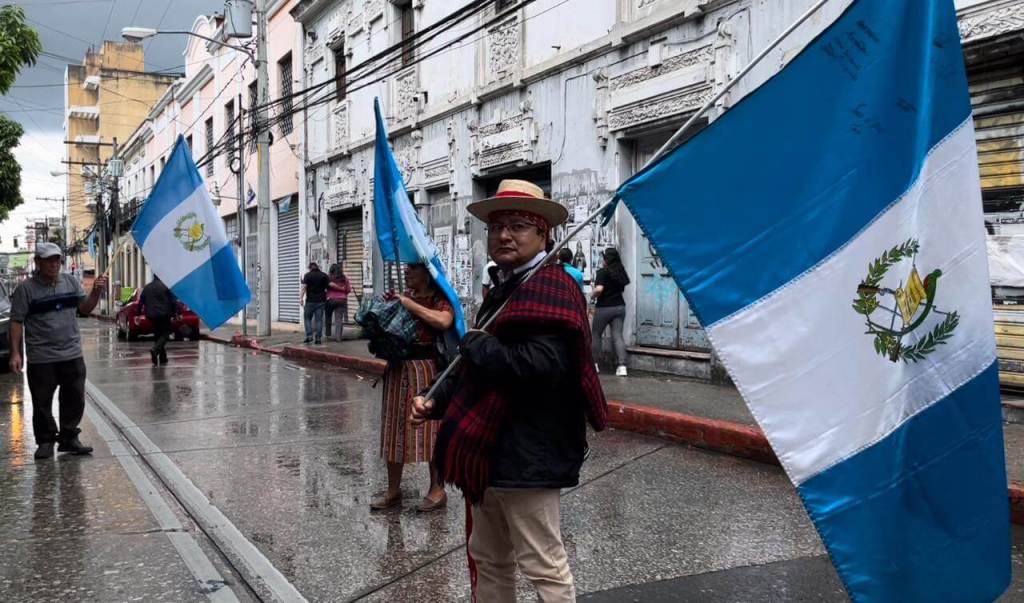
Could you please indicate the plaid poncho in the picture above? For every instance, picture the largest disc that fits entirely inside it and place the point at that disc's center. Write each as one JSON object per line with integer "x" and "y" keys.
{"x": 474, "y": 416}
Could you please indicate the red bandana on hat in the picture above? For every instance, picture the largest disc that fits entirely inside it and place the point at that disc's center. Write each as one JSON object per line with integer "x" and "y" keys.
{"x": 528, "y": 216}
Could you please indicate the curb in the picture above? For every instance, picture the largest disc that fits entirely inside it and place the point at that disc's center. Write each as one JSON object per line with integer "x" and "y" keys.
{"x": 1017, "y": 503}
{"x": 369, "y": 365}
{"x": 721, "y": 436}
{"x": 727, "y": 437}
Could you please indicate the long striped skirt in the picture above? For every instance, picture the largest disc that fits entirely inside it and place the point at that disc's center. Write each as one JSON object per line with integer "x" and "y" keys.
{"x": 400, "y": 442}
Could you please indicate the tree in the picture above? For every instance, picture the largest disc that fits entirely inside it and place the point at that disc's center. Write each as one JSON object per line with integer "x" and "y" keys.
{"x": 10, "y": 169}
{"x": 19, "y": 46}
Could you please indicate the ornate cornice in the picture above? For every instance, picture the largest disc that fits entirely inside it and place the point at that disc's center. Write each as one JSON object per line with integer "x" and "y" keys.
{"x": 993, "y": 20}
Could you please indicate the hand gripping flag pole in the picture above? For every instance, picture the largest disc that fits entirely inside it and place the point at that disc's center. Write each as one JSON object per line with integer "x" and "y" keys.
{"x": 608, "y": 206}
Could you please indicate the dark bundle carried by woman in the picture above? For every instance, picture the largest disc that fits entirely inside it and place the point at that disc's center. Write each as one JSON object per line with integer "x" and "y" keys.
{"x": 389, "y": 327}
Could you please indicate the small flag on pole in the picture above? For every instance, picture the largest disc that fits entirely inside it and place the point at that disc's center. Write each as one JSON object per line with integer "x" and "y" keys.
{"x": 182, "y": 237}
{"x": 878, "y": 389}
{"x": 400, "y": 232}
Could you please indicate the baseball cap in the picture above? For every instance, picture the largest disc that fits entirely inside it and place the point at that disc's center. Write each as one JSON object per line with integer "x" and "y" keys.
{"x": 47, "y": 250}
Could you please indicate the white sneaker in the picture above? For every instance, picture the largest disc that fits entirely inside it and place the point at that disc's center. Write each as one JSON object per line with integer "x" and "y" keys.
{"x": 621, "y": 371}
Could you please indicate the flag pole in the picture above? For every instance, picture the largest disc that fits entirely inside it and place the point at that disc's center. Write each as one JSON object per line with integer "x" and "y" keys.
{"x": 669, "y": 145}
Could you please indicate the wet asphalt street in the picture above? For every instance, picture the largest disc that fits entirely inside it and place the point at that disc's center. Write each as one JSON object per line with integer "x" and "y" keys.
{"x": 289, "y": 454}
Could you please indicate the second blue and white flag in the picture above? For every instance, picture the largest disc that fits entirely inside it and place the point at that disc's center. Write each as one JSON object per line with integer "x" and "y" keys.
{"x": 183, "y": 239}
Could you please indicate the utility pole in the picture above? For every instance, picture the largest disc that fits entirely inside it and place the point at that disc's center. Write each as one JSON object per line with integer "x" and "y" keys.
{"x": 101, "y": 227}
{"x": 63, "y": 218}
{"x": 263, "y": 171}
{"x": 243, "y": 216}
{"x": 114, "y": 169}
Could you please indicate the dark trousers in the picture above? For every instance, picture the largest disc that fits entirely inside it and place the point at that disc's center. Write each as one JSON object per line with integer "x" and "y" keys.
{"x": 337, "y": 310}
{"x": 314, "y": 317}
{"x": 162, "y": 330}
{"x": 43, "y": 379}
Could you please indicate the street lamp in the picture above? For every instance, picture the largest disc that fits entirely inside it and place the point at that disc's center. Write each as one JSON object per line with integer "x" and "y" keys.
{"x": 240, "y": 12}
{"x": 137, "y": 34}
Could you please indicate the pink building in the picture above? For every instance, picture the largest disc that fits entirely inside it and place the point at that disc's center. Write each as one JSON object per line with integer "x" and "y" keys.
{"x": 204, "y": 107}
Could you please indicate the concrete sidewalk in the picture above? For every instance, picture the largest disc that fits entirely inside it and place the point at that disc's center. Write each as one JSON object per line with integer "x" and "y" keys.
{"x": 700, "y": 414}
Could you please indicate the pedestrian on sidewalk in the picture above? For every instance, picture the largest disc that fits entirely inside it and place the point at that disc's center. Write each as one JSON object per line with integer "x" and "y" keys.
{"x": 336, "y": 309}
{"x": 565, "y": 259}
{"x": 159, "y": 305}
{"x": 400, "y": 442}
{"x": 44, "y": 311}
{"x": 313, "y": 296}
{"x": 513, "y": 418}
{"x": 609, "y": 283}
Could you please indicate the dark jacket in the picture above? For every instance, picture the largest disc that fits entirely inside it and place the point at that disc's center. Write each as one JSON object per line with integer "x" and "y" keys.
{"x": 158, "y": 301}
{"x": 543, "y": 439}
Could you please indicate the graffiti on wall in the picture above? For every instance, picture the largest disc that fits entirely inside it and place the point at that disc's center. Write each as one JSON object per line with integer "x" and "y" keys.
{"x": 582, "y": 192}
{"x": 318, "y": 250}
{"x": 462, "y": 267}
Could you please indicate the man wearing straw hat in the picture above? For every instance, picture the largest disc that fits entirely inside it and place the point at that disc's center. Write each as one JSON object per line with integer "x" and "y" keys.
{"x": 513, "y": 417}
{"x": 44, "y": 311}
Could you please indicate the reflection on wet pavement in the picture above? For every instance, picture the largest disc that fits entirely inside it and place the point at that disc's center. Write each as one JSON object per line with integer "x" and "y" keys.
{"x": 73, "y": 528}
{"x": 290, "y": 453}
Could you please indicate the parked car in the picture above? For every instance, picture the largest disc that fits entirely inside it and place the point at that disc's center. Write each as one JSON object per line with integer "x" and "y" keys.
{"x": 131, "y": 322}
{"x": 5, "y": 324}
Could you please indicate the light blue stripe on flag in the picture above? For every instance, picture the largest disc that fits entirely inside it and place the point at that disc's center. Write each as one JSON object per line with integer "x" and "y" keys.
{"x": 182, "y": 237}
{"x": 843, "y": 281}
{"x": 912, "y": 518}
{"x": 400, "y": 234}
{"x": 800, "y": 142}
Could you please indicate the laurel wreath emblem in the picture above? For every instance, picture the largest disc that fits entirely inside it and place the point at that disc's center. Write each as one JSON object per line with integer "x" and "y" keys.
{"x": 191, "y": 233}
{"x": 888, "y": 341}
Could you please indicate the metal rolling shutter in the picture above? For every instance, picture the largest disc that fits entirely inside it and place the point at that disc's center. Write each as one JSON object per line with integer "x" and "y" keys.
{"x": 288, "y": 276}
{"x": 349, "y": 248}
{"x": 997, "y": 97}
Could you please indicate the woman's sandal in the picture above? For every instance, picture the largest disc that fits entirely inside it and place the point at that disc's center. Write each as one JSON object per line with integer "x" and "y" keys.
{"x": 383, "y": 502}
{"x": 428, "y": 505}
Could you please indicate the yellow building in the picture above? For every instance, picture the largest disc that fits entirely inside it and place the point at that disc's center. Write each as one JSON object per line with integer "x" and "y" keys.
{"x": 105, "y": 99}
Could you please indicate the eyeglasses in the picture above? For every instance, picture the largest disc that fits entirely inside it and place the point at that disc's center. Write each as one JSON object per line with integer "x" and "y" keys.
{"x": 516, "y": 229}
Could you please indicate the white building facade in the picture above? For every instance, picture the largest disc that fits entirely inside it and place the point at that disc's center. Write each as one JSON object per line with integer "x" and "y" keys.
{"x": 573, "y": 95}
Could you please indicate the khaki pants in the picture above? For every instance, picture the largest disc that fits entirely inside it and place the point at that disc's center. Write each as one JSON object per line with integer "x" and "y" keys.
{"x": 520, "y": 526}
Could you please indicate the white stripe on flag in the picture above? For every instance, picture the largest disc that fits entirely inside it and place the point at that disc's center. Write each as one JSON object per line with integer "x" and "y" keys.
{"x": 840, "y": 396}
{"x": 164, "y": 248}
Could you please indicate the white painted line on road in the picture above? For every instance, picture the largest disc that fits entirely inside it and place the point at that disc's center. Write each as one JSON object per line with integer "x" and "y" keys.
{"x": 250, "y": 562}
{"x": 210, "y": 580}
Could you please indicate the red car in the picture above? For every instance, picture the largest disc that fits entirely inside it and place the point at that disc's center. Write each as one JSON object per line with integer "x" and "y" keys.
{"x": 131, "y": 322}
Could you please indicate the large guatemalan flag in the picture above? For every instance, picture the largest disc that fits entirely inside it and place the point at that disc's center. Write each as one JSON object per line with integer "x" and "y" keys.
{"x": 400, "y": 232}
{"x": 843, "y": 282}
{"x": 183, "y": 239}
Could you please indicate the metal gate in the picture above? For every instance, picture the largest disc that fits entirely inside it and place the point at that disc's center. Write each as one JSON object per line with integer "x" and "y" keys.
{"x": 663, "y": 315}
{"x": 349, "y": 251}
{"x": 288, "y": 275}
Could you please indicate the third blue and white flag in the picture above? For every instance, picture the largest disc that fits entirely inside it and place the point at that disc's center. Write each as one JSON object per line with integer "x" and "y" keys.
{"x": 400, "y": 233}
{"x": 843, "y": 281}
{"x": 182, "y": 237}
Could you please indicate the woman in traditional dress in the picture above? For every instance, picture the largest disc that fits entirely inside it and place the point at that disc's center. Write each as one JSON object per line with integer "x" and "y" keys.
{"x": 402, "y": 443}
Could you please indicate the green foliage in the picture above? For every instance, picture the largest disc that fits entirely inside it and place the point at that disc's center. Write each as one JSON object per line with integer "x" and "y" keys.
{"x": 19, "y": 45}
{"x": 10, "y": 170}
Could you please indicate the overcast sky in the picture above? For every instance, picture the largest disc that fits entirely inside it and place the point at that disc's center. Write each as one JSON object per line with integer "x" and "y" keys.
{"x": 67, "y": 28}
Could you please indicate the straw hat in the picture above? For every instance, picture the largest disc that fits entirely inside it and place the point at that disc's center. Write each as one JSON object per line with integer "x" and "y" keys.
{"x": 520, "y": 195}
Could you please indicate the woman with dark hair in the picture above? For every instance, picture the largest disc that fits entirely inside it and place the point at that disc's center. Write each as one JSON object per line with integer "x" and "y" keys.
{"x": 402, "y": 443}
{"x": 609, "y": 283}
{"x": 338, "y": 291}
